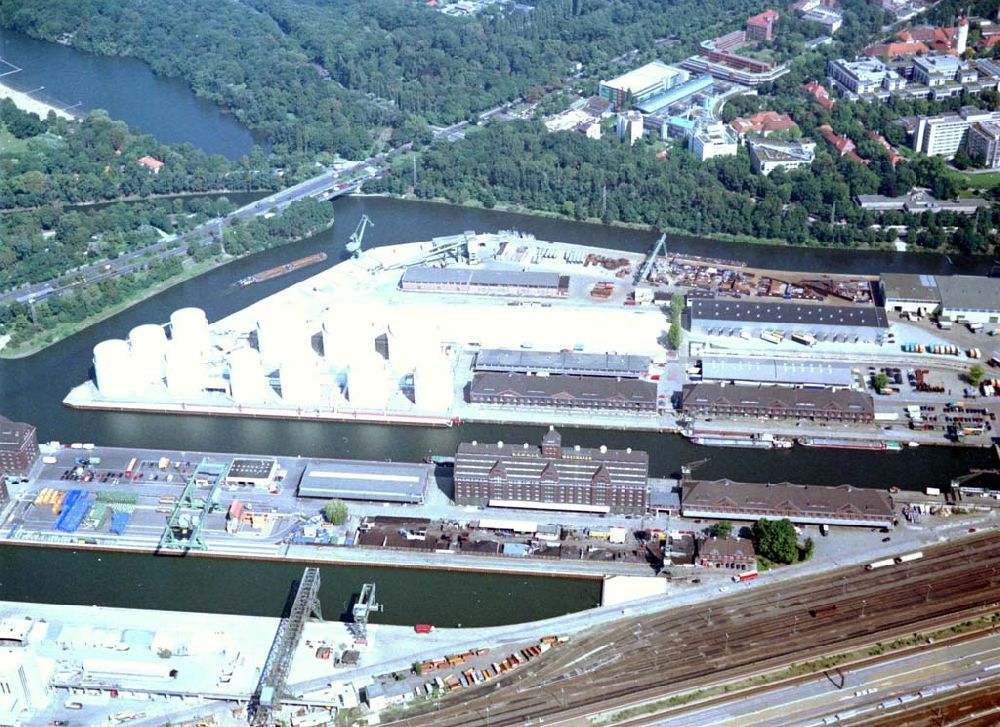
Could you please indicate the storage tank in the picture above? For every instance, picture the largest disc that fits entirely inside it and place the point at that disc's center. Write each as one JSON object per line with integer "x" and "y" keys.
{"x": 148, "y": 344}
{"x": 300, "y": 384}
{"x": 189, "y": 326}
{"x": 281, "y": 334}
{"x": 413, "y": 335}
{"x": 246, "y": 376}
{"x": 113, "y": 372}
{"x": 185, "y": 368}
{"x": 434, "y": 384}
{"x": 367, "y": 387}
{"x": 349, "y": 327}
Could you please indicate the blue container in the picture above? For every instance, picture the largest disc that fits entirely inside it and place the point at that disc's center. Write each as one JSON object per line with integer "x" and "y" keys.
{"x": 119, "y": 521}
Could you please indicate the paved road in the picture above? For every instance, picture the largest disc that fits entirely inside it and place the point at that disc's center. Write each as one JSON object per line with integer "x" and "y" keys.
{"x": 865, "y": 690}
{"x": 329, "y": 184}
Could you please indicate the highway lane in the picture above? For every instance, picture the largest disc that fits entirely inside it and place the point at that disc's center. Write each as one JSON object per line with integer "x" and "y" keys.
{"x": 330, "y": 183}
{"x": 864, "y": 690}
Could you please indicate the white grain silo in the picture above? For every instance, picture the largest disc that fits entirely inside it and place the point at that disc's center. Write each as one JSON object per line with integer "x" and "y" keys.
{"x": 113, "y": 372}
{"x": 148, "y": 344}
{"x": 300, "y": 385}
{"x": 412, "y": 336}
{"x": 185, "y": 367}
{"x": 367, "y": 384}
{"x": 434, "y": 384}
{"x": 189, "y": 327}
{"x": 246, "y": 376}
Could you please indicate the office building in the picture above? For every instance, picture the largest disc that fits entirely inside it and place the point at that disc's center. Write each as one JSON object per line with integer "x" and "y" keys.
{"x": 712, "y": 139}
{"x": 983, "y": 143}
{"x": 630, "y": 126}
{"x": 865, "y": 77}
{"x": 18, "y": 447}
{"x": 767, "y": 155}
{"x": 640, "y": 84}
{"x": 945, "y": 134}
{"x": 761, "y": 27}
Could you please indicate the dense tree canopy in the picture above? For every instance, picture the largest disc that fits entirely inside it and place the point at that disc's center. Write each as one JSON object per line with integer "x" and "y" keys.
{"x": 776, "y": 540}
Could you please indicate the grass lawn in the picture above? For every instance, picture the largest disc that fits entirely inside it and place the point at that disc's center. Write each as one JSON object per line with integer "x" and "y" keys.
{"x": 8, "y": 144}
{"x": 988, "y": 180}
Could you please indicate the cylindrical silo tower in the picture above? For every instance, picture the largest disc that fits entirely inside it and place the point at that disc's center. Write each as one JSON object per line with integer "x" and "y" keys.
{"x": 246, "y": 376}
{"x": 367, "y": 385}
{"x": 185, "y": 370}
{"x": 412, "y": 337}
{"x": 281, "y": 333}
{"x": 189, "y": 327}
{"x": 113, "y": 371}
{"x": 434, "y": 384}
{"x": 148, "y": 343}
{"x": 300, "y": 385}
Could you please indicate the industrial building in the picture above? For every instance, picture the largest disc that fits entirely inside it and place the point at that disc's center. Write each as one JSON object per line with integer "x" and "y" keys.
{"x": 484, "y": 282}
{"x": 777, "y": 402}
{"x": 732, "y": 553}
{"x": 920, "y": 200}
{"x": 767, "y": 155}
{"x": 251, "y": 472}
{"x": 780, "y": 372}
{"x": 564, "y": 392}
{"x": 905, "y": 292}
{"x": 969, "y": 298}
{"x": 383, "y": 482}
{"x": 641, "y": 83}
{"x": 551, "y": 476}
{"x": 518, "y": 361}
{"x": 806, "y": 504}
{"x": 835, "y": 323}
{"x": 18, "y": 447}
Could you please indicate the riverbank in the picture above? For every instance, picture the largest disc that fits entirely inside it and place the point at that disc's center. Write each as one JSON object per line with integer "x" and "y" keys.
{"x": 191, "y": 271}
{"x": 32, "y": 105}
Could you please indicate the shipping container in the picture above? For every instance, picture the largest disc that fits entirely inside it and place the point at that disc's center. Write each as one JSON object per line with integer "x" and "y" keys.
{"x": 423, "y": 628}
{"x": 770, "y": 337}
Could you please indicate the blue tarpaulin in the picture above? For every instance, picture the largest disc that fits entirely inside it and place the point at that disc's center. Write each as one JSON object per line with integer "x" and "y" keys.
{"x": 119, "y": 521}
{"x": 70, "y": 519}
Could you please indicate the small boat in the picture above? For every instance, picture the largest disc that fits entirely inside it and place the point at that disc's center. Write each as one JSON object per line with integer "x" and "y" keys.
{"x": 913, "y": 444}
{"x": 726, "y": 439}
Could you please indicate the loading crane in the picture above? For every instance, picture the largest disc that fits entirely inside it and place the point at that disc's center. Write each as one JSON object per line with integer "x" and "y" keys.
{"x": 186, "y": 520}
{"x": 354, "y": 242}
{"x": 364, "y": 606}
{"x": 647, "y": 267}
{"x": 270, "y": 689}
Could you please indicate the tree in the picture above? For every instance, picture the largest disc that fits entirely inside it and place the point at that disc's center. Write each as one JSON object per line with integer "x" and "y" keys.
{"x": 335, "y": 511}
{"x": 807, "y": 550}
{"x": 776, "y": 540}
{"x": 881, "y": 380}
{"x": 976, "y": 374}
{"x": 722, "y": 529}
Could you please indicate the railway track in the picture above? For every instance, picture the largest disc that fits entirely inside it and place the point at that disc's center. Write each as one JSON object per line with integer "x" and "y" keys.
{"x": 970, "y": 707}
{"x": 746, "y": 633}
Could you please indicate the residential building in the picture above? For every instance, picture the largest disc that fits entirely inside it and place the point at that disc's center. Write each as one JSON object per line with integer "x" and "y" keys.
{"x": 819, "y": 93}
{"x": 763, "y": 123}
{"x": 712, "y": 139}
{"x": 761, "y": 27}
{"x": 732, "y": 553}
{"x": 154, "y": 165}
{"x": 865, "y": 77}
{"x": 841, "y": 144}
{"x": 767, "y": 155}
{"x": 983, "y": 143}
{"x": 777, "y": 402}
{"x": 630, "y": 126}
{"x": 640, "y": 84}
{"x": 805, "y": 504}
{"x": 18, "y": 447}
{"x": 551, "y": 477}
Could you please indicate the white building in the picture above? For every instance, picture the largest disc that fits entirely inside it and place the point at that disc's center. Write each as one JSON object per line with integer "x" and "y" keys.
{"x": 863, "y": 77}
{"x": 938, "y": 70}
{"x": 766, "y": 155}
{"x": 943, "y": 135}
{"x": 641, "y": 83}
{"x": 969, "y": 298}
{"x": 713, "y": 139}
{"x": 827, "y": 17}
{"x": 630, "y": 126}
{"x": 24, "y": 683}
{"x": 983, "y": 143}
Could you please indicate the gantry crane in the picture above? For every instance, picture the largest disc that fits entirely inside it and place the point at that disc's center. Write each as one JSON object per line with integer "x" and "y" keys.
{"x": 354, "y": 242}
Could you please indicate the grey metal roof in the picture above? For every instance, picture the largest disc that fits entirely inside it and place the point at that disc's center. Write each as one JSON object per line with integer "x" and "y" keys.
{"x": 585, "y": 389}
{"x": 775, "y": 371}
{"x": 969, "y": 292}
{"x": 788, "y": 313}
{"x": 907, "y": 287}
{"x": 785, "y": 499}
{"x": 517, "y": 463}
{"x": 468, "y": 276}
{"x": 562, "y": 362}
{"x": 350, "y": 480}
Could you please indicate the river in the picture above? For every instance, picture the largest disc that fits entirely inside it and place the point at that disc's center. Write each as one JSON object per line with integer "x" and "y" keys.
{"x": 124, "y": 87}
{"x": 31, "y": 390}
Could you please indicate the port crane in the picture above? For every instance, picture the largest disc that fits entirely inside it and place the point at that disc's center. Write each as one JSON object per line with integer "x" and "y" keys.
{"x": 354, "y": 242}
{"x": 270, "y": 689}
{"x": 364, "y": 606}
{"x": 647, "y": 267}
{"x": 186, "y": 520}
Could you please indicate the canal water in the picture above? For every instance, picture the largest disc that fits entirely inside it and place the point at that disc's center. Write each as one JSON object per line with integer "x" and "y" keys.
{"x": 31, "y": 390}
{"x": 124, "y": 87}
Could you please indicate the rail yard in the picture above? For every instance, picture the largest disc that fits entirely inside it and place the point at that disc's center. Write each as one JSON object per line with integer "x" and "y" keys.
{"x": 640, "y": 660}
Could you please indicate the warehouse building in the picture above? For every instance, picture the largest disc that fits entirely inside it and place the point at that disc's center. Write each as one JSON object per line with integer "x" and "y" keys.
{"x": 845, "y": 324}
{"x": 485, "y": 282}
{"x": 734, "y": 554}
{"x": 348, "y": 480}
{"x": 969, "y": 298}
{"x": 777, "y": 402}
{"x": 551, "y": 477}
{"x": 251, "y": 472}
{"x": 517, "y": 361}
{"x": 776, "y": 371}
{"x": 18, "y": 447}
{"x": 564, "y": 392}
{"x": 903, "y": 292}
{"x": 806, "y": 504}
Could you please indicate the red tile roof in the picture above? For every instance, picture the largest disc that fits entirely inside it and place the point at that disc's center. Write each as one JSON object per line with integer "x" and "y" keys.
{"x": 763, "y": 122}
{"x": 820, "y": 94}
{"x": 891, "y": 50}
{"x": 150, "y": 162}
